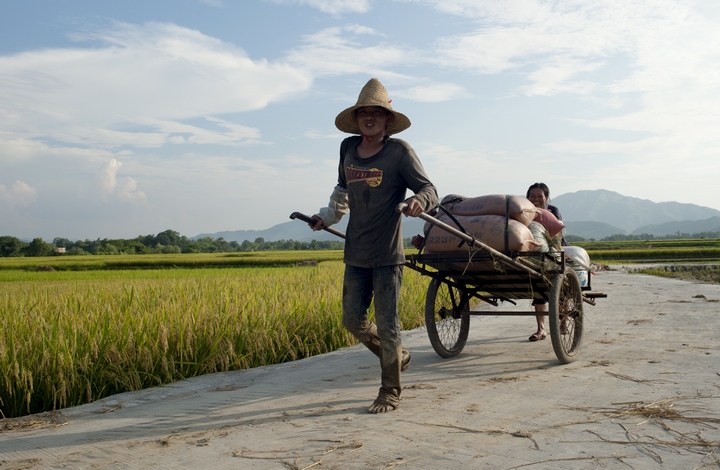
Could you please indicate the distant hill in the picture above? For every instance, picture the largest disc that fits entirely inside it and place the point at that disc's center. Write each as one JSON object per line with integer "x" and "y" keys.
{"x": 596, "y": 230}
{"x": 711, "y": 224}
{"x": 628, "y": 214}
{"x": 589, "y": 214}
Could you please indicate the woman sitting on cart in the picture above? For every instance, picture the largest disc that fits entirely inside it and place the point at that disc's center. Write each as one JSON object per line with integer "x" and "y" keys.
{"x": 539, "y": 194}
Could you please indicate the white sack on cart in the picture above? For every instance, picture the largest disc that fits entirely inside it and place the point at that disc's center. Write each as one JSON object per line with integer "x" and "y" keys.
{"x": 577, "y": 258}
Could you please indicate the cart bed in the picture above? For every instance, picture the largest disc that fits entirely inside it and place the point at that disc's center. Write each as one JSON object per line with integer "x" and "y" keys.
{"x": 482, "y": 271}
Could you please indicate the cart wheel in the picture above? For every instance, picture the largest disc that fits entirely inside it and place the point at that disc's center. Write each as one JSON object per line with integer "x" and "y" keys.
{"x": 446, "y": 318}
{"x": 566, "y": 315}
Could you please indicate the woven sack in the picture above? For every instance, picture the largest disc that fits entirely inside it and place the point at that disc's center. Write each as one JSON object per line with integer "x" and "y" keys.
{"x": 518, "y": 207}
{"x": 488, "y": 229}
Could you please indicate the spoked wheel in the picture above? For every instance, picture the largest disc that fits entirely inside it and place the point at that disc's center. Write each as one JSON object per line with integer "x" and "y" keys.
{"x": 446, "y": 318}
{"x": 566, "y": 315}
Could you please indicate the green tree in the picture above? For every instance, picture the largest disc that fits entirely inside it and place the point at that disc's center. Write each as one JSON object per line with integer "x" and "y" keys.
{"x": 11, "y": 246}
{"x": 38, "y": 247}
{"x": 260, "y": 244}
{"x": 247, "y": 245}
{"x": 109, "y": 249}
{"x": 62, "y": 242}
{"x": 76, "y": 250}
{"x": 168, "y": 237}
{"x": 222, "y": 246}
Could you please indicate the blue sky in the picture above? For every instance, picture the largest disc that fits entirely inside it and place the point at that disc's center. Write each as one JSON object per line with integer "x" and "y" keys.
{"x": 120, "y": 119}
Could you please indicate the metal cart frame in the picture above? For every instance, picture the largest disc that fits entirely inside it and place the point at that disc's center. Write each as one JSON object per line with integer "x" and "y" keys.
{"x": 484, "y": 274}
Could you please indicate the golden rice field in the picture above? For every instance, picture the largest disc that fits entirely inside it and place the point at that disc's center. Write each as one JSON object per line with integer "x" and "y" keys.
{"x": 76, "y": 329}
{"x": 74, "y": 336}
{"x": 697, "y": 250}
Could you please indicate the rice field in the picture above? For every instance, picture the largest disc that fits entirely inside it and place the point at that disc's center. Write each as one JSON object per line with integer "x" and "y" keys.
{"x": 72, "y": 337}
{"x": 77, "y": 329}
{"x": 700, "y": 250}
{"x": 168, "y": 261}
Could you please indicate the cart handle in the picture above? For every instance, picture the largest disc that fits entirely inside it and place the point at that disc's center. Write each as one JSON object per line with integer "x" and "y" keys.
{"x": 310, "y": 220}
{"x": 463, "y": 236}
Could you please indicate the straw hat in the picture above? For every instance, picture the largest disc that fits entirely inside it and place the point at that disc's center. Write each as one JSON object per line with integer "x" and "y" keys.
{"x": 372, "y": 94}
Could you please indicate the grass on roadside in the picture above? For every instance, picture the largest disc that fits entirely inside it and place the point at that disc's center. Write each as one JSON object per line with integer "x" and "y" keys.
{"x": 690, "y": 274}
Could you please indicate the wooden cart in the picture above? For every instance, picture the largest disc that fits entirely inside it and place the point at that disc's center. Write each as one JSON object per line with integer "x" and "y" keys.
{"x": 482, "y": 274}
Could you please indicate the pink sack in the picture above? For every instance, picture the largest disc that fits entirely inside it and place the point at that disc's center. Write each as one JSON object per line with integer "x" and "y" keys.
{"x": 549, "y": 221}
{"x": 488, "y": 229}
{"x": 518, "y": 207}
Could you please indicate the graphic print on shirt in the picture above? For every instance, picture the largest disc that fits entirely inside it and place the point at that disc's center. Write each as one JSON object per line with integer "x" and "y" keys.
{"x": 370, "y": 176}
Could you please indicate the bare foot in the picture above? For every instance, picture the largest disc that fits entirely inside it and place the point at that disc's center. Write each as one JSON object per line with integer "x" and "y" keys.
{"x": 381, "y": 408}
{"x": 384, "y": 402}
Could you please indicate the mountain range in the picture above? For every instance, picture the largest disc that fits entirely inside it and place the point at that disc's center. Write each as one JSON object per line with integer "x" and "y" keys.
{"x": 601, "y": 213}
{"x": 592, "y": 214}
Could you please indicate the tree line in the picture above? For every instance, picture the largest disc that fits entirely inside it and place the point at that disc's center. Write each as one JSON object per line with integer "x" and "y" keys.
{"x": 171, "y": 241}
{"x": 168, "y": 241}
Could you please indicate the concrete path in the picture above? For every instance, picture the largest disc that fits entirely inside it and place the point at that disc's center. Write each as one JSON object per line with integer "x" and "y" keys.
{"x": 644, "y": 394}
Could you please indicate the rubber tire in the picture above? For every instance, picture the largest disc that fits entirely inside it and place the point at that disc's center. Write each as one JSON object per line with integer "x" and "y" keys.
{"x": 566, "y": 302}
{"x": 448, "y": 333}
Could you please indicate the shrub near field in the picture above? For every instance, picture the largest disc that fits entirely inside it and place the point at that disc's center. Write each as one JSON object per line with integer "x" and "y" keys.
{"x": 69, "y": 339}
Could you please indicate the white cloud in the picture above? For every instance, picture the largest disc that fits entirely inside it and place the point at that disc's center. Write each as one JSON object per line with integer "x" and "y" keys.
{"x": 433, "y": 92}
{"x": 466, "y": 172}
{"x": 558, "y": 78}
{"x": 19, "y": 194}
{"x": 333, "y": 7}
{"x": 607, "y": 93}
{"x": 108, "y": 176}
{"x": 654, "y": 63}
{"x": 314, "y": 134}
{"x": 341, "y": 51}
{"x": 161, "y": 71}
{"x": 228, "y": 133}
{"x": 128, "y": 191}
{"x": 21, "y": 148}
{"x": 125, "y": 190}
{"x": 525, "y": 35}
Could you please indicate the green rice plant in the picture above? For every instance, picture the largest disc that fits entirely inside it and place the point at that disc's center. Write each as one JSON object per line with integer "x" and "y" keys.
{"x": 69, "y": 338}
{"x": 645, "y": 255}
{"x": 170, "y": 261}
{"x": 649, "y": 244}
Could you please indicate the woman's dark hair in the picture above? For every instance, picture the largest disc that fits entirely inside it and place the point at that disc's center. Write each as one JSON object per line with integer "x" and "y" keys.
{"x": 541, "y": 186}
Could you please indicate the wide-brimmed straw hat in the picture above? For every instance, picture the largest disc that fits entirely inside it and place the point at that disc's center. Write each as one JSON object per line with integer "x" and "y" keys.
{"x": 372, "y": 94}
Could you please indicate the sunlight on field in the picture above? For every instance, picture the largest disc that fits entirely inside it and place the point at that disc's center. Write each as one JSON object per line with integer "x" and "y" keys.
{"x": 76, "y": 329}
{"x": 168, "y": 261}
{"x": 71, "y": 337}
{"x": 654, "y": 251}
